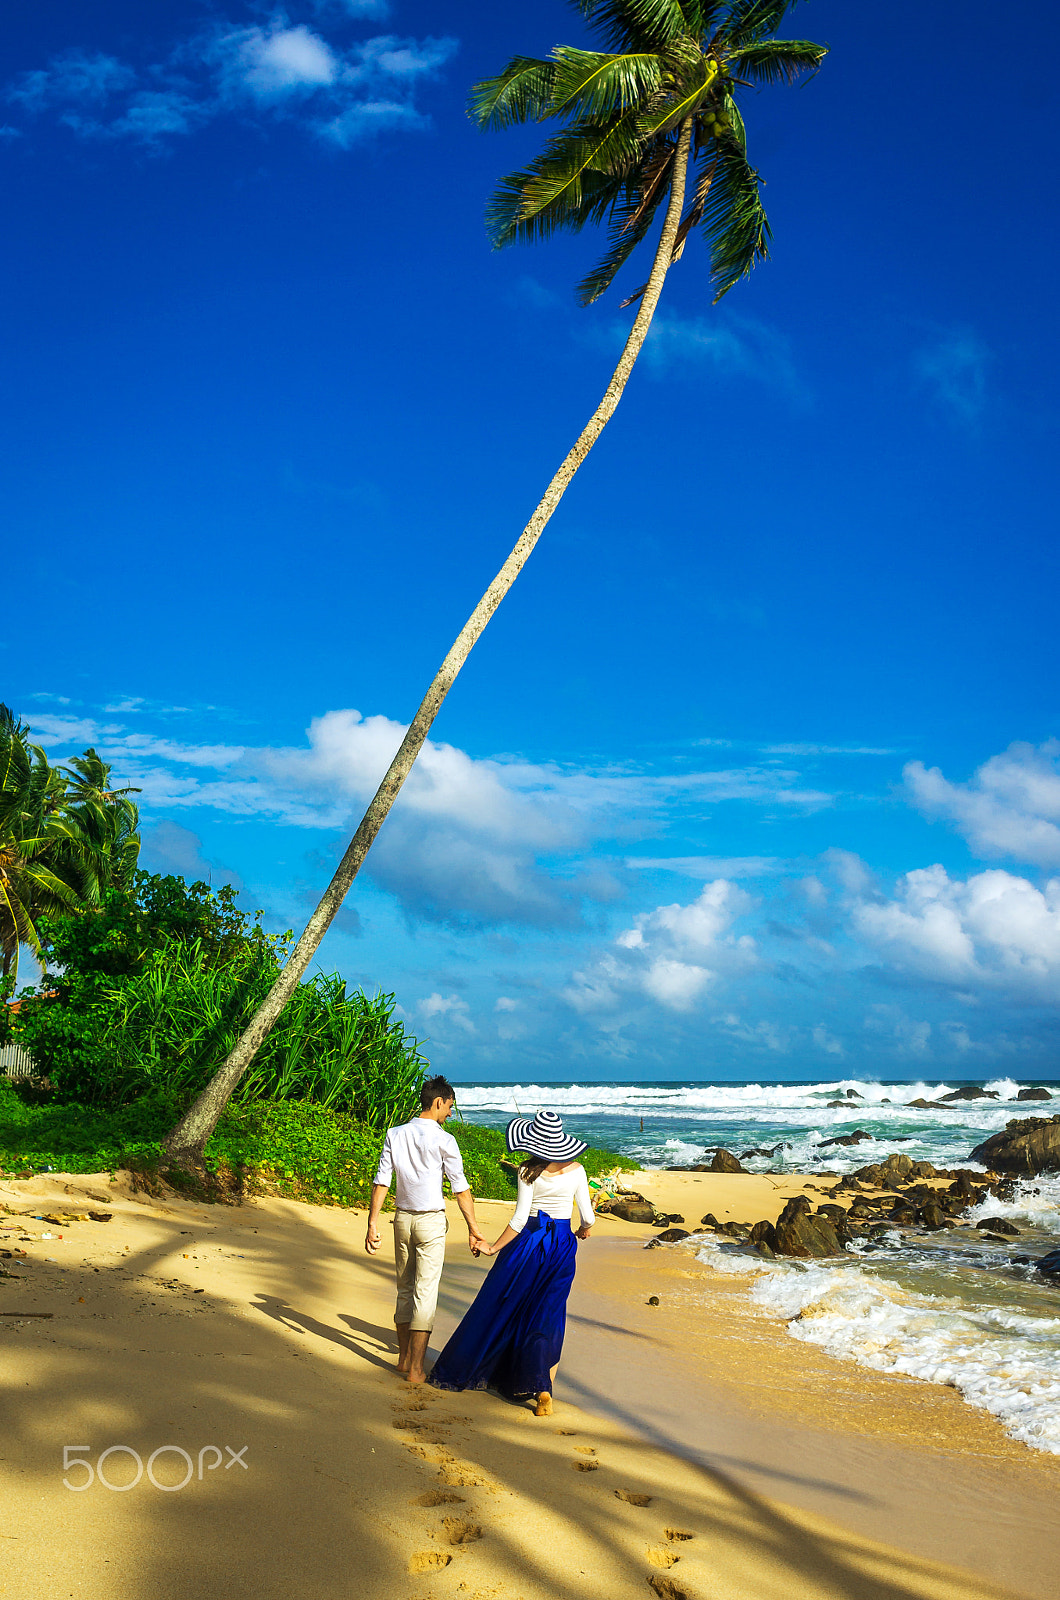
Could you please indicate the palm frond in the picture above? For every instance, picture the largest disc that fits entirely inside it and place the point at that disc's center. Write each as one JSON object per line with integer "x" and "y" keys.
{"x": 631, "y": 220}
{"x": 593, "y": 85}
{"x": 735, "y": 121}
{"x": 635, "y": 24}
{"x": 750, "y": 20}
{"x": 778, "y": 60}
{"x": 693, "y": 93}
{"x": 734, "y": 220}
{"x": 521, "y": 93}
{"x": 574, "y": 181}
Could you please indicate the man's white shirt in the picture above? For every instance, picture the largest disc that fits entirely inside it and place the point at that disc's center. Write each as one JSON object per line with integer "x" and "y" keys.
{"x": 418, "y": 1154}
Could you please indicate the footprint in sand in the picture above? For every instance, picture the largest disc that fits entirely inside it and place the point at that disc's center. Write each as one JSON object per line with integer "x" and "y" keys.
{"x": 459, "y": 1531}
{"x": 585, "y": 1466}
{"x": 667, "y": 1589}
{"x": 675, "y": 1535}
{"x": 660, "y": 1556}
{"x": 438, "y": 1497}
{"x": 632, "y": 1498}
{"x": 585, "y": 1449}
{"x": 424, "y": 1560}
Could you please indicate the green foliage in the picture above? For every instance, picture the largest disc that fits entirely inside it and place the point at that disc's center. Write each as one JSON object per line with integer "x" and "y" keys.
{"x": 297, "y": 1148}
{"x": 65, "y": 836}
{"x": 668, "y": 62}
{"x": 155, "y": 987}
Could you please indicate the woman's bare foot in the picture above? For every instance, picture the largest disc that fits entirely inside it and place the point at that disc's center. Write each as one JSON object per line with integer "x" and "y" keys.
{"x": 544, "y": 1404}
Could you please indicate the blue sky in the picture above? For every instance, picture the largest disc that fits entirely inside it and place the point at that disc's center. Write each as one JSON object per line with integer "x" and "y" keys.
{"x": 755, "y": 772}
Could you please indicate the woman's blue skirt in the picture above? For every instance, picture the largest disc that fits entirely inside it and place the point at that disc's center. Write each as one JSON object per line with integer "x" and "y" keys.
{"x": 512, "y": 1333}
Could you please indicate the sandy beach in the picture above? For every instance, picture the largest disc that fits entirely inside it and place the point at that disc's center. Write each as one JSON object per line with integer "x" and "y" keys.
{"x": 695, "y": 1446}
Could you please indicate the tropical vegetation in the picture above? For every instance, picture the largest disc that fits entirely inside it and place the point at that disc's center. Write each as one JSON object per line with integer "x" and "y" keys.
{"x": 649, "y": 124}
{"x": 66, "y": 836}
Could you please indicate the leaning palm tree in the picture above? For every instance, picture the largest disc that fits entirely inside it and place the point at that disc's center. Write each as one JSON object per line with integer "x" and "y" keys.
{"x": 656, "y": 106}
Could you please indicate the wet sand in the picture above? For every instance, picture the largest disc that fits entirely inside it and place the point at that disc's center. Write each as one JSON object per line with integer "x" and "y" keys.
{"x": 769, "y": 1470}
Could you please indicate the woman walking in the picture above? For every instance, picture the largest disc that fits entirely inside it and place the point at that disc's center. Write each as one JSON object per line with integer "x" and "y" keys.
{"x": 512, "y": 1334}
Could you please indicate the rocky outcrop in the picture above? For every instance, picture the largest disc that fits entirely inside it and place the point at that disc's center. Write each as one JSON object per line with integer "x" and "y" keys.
{"x": 800, "y": 1233}
{"x": 725, "y": 1161}
{"x": 1049, "y": 1265}
{"x": 1034, "y": 1094}
{"x": 748, "y": 1155}
{"x": 671, "y": 1236}
{"x": 1024, "y": 1148}
{"x": 632, "y": 1210}
{"x": 971, "y": 1094}
{"x": 920, "y": 1104}
{"x": 997, "y": 1225}
{"x": 859, "y": 1136}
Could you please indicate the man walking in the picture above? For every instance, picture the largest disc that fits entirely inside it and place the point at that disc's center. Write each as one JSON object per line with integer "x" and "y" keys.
{"x": 418, "y": 1154}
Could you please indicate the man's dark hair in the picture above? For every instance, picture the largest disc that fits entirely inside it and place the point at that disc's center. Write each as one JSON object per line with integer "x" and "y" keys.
{"x": 438, "y": 1088}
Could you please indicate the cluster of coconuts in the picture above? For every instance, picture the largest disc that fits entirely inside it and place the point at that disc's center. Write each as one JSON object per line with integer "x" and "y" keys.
{"x": 717, "y": 123}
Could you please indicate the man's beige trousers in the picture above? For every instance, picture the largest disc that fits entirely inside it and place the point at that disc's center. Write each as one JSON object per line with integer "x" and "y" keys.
{"x": 419, "y": 1253}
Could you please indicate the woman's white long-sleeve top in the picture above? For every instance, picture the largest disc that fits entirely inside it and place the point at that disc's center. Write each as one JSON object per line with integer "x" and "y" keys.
{"x": 556, "y": 1194}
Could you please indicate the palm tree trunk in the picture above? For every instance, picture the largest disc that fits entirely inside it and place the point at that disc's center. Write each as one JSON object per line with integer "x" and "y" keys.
{"x": 187, "y": 1140}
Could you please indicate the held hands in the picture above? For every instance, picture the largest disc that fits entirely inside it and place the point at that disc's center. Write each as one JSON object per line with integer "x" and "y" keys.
{"x": 477, "y": 1245}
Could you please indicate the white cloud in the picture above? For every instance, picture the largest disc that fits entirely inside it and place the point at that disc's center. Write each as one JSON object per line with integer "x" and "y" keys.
{"x": 727, "y": 342}
{"x": 286, "y": 70}
{"x": 672, "y": 954}
{"x": 272, "y": 62}
{"x": 447, "y": 1011}
{"x": 827, "y": 1041}
{"x": 74, "y": 78}
{"x": 1011, "y": 806}
{"x": 711, "y": 866}
{"x": 992, "y": 930}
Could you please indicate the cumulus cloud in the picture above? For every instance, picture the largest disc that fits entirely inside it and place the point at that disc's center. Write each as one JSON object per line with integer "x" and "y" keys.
{"x": 281, "y": 70}
{"x": 672, "y": 954}
{"x": 1011, "y": 806}
{"x": 445, "y": 1011}
{"x": 727, "y": 342}
{"x": 992, "y": 930}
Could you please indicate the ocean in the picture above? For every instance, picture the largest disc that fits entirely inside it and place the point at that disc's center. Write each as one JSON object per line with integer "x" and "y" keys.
{"x": 948, "y": 1308}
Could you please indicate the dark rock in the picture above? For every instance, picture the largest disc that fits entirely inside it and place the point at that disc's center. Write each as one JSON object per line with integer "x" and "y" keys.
{"x": 1034, "y": 1094}
{"x": 834, "y": 1104}
{"x": 997, "y": 1225}
{"x": 931, "y": 1105}
{"x": 852, "y": 1094}
{"x": 885, "y": 1102}
{"x": 837, "y": 1215}
{"x": 653, "y": 1300}
{"x": 709, "y": 1221}
{"x": 971, "y": 1094}
{"x": 873, "y": 1174}
{"x": 800, "y": 1234}
{"x": 675, "y": 1217}
{"x": 633, "y": 1210}
{"x": 933, "y": 1216}
{"x": 764, "y": 1233}
{"x": 671, "y": 1236}
{"x": 1049, "y": 1264}
{"x": 1024, "y": 1148}
{"x": 725, "y": 1161}
{"x": 859, "y": 1136}
{"x": 769, "y": 1154}
{"x": 766, "y": 1250}
{"x": 923, "y": 1169}
{"x": 897, "y": 1166}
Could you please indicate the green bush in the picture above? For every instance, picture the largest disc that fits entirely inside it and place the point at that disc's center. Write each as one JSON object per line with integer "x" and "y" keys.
{"x": 153, "y": 990}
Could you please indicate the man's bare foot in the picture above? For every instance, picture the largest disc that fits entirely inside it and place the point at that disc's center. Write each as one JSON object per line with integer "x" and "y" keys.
{"x": 416, "y": 1375}
{"x": 544, "y": 1404}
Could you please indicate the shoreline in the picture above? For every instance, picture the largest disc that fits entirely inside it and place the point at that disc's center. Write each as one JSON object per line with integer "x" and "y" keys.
{"x": 795, "y": 1473}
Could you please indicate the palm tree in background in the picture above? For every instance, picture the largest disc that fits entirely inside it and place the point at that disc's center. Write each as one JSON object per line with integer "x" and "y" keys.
{"x": 65, "y": 836}
{"x": 650, "y": 124}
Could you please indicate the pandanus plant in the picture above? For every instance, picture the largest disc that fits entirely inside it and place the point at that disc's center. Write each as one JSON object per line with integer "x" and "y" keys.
{"x": 650, "y": 123}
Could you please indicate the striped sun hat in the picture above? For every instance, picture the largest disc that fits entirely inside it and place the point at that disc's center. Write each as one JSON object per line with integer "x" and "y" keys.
{"x": 543, "y": 1135}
